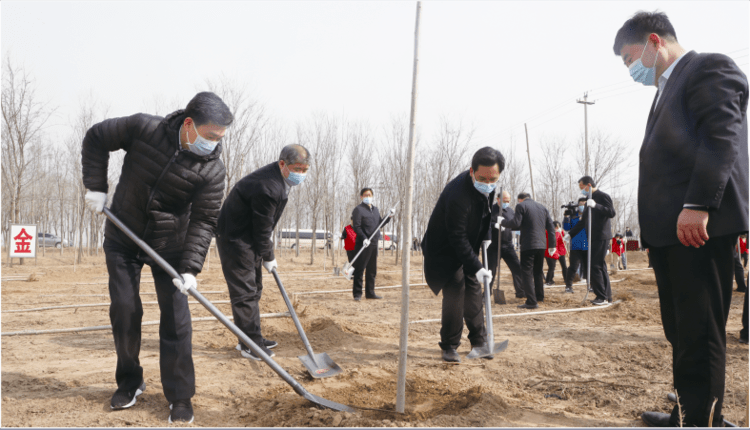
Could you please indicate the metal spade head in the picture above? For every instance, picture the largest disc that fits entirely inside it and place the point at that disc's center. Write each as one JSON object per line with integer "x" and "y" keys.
{"x": 321, "y": 367}
{"x": 485, "y": 351}
{"x": 349, "y": 273}
{"x": 319, "y": 401}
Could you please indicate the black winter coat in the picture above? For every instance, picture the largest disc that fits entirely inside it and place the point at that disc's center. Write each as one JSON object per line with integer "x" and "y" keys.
{"x": 252, "y": 210}
{"x": 533, "y": 220}
{"x": 168, "y": 196}
{"x": 601, "y": 227}
{"x": 458, "y": 225}
{"x": 365, "y": 221}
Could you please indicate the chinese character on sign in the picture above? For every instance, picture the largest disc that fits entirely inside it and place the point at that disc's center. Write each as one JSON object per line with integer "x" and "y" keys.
{"x": 22, "y": 242}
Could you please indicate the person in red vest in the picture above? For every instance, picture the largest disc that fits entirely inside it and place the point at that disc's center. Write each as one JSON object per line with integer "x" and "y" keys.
{"x": 743, "y": 250}
{"x": 559, "y": 255}
{"x": 349, "y": 237}
{"x": 618, "y": 247}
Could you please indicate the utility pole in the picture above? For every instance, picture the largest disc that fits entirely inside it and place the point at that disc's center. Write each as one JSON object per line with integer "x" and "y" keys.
{"x": 531, "y": 175}
{"x": 585, "y": 104}
{"x": 406, "y": 229}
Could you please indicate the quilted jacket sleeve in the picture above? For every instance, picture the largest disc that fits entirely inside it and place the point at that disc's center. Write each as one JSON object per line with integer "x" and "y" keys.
{"x": 101, "y": 139}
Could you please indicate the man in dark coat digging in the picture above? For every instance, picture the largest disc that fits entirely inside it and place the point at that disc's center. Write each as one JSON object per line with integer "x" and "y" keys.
{"x": 169, "y": 194}
{"x": 246, "y": 223}
{"x": 458, "y": 225}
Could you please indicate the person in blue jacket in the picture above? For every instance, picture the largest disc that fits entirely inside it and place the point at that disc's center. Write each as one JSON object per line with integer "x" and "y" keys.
{"x": 578, "y": 246}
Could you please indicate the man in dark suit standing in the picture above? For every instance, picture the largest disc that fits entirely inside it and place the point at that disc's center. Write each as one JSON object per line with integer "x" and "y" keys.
{"x": 458, "y": 225}
{"x": 692, "y": 202}
{"x": 507, "y": 253}
{"x": 533, "y": 220}
{"x": 599, "y": 204}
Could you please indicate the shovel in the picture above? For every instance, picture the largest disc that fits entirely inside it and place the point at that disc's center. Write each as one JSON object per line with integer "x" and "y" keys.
{"x": 489, "y": 349}
{"x": 319, "y": 365}
{"x": 348, "y": 267}
{"x": 499, "y": 294}
{"x": 588, "y": 257}
{"x": 319, "y": 401}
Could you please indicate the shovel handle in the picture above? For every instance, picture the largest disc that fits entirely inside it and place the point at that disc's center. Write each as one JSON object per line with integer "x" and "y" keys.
{"x": 487, "y": 304}
{"x": 297, "y": 324}
{"x": 390, "y": 211}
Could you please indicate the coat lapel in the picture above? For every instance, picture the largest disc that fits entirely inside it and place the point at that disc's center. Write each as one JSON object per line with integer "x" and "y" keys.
{"x": 668, "y": 89}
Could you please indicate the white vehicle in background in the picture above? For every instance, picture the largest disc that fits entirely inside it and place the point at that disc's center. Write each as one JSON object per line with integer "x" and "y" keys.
{"x": 289, "y": 239}
{"x": 390, "y": 243}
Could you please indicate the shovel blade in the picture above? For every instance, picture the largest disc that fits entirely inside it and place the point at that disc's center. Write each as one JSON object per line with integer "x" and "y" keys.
{"x": 485, "y": 351}
{"x": 499, "y": 296}
{"x": 322, "y": 367}
{"x": 328, "y": 404}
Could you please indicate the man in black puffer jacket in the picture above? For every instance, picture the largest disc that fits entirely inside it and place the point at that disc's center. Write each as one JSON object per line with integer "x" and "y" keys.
{"x": 246, "y": 222}
{"x": 458, "y": 225}
{"x": 169, "y": 194}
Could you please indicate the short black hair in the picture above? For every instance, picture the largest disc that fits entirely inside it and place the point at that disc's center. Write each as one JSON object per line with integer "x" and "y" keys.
{"x": 364, "y": 190}
{"x": 637, "y": 29}
{"x": 556, "y": 224}
{"x": 488, "y": 156}
{"x": 524, "y": 196}
{"x": 207, "y": 107}
{"x": 582, "y": 199}
{"x": 587, "y": 180}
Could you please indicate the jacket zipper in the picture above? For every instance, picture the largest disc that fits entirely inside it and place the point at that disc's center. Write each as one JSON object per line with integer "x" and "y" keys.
{"x": 153, "y": 190}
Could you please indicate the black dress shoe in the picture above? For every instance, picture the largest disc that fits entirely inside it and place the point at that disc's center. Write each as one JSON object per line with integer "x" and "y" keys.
{"x": 451, "y": 356}
{"x": 375, "y": 297}
{"x": 656, "y": 419}
{"x": 525, "y": 306}
{"x": 358, "y": 298}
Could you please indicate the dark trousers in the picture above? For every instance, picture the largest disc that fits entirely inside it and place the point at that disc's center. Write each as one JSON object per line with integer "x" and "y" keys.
{"x": 551, "y": 263}
{"x": 532, "y": 272}
{"x": 243, "y": 272}
{"x": 578, "y": 260}
{"x": 739, "y": 273}
{"x": 599, "y": 277}
{"x": 350, "y": 255}
{"x": 508, "y": 254}
{"x": 695, "y": 291}
{"x": 744, "y": 260}
{"x": 367, "y": 260}
{"x": 744, "y": 332}
{"x": 462, "y": 301}
{"x": 126, "y": 314}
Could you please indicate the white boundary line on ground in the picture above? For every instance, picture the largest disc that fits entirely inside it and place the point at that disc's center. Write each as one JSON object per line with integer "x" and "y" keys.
{"x": 523, "y": 314}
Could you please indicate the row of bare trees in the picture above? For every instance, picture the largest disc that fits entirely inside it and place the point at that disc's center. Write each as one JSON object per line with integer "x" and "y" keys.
{"x": 41, "y": 176}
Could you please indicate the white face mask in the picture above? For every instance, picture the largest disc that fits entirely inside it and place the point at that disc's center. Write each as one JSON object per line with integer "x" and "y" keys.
{"x": 201, "y": 146}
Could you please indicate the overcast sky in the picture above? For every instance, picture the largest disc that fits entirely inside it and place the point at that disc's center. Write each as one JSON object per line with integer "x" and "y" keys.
{"x": 494, "y": 65}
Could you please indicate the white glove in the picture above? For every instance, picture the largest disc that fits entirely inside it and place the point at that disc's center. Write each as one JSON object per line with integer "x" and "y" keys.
{"x": 391, "y": 212}
{"x": 189, "y": 283}
{"x": 270, "y": 265}
{"x": 95, "y": 200}
{"x": 566, "y": 237}
{"x": 591, "y": 203}
{"x": 497, "y": 225}
{"x": 366, "y": 242}
{"x": 482, "y": 273}
{"x": 551, "y": 251}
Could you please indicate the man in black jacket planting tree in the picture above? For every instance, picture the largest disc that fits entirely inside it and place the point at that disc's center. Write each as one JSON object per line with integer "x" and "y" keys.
{"x": 365, "y": 221}
{"x": 533, "y": 220}
{"x": 458, "y": 225}
{"x": 246, "y": 223}
{"x": 169, "y": 194}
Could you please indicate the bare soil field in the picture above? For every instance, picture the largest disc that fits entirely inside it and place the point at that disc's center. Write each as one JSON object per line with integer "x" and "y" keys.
{"x": 585, "y": 369}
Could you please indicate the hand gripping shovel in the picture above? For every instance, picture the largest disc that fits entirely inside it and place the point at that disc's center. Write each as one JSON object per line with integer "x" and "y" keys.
{"x": 489, "y": 349}
{"x": 348, "y": 267}
{"x": 319, "y": 401}
{"x": 319, "y": 365}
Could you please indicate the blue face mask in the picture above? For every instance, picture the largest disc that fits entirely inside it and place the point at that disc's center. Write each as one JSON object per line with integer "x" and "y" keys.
{"x": 580, "y": 208}
{"x": 294, "y": 177}
{"x": 642, "y": 74}
{"x": 505, "y": 205}
{"x": 367, "y": 200}
{"x": 201, "y": 146}
{"x": 585, "y": 192}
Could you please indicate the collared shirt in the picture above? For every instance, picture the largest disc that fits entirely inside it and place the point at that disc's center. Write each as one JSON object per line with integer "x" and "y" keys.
{"x": 663, "y": 78}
